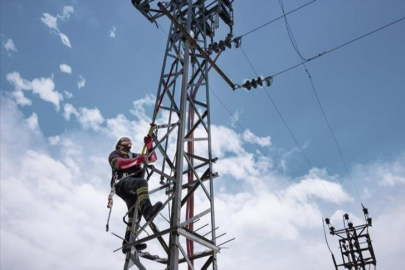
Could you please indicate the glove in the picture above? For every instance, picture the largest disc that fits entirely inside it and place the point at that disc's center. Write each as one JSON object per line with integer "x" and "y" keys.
{"x": 152, "y": 157}
{"x": 125, "y": 163}
{"x": 148, "y": 142}
{"x": 141, "y": 159}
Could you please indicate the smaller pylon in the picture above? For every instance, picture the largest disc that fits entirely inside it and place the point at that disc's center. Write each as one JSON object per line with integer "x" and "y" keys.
{"x": 355, "y": 243}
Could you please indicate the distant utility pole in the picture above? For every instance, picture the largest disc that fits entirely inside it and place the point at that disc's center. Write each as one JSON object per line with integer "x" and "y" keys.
{"x": 183, "y": 97}
{"x": 355, "y": 244}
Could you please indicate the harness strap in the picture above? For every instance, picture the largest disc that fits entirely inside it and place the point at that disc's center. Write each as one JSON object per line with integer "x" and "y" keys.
{"x": 111, "y": 195}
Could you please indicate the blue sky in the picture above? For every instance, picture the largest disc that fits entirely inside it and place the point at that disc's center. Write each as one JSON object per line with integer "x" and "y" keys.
{"x": 116, "y": 55}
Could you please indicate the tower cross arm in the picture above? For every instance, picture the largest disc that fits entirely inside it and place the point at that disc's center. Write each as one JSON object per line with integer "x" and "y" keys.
{"x": 195, "y": 45}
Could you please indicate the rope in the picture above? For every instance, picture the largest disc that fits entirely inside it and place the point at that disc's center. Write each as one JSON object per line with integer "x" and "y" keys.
{"x": 110, "y": 198}
{"x": 160, "y": 101}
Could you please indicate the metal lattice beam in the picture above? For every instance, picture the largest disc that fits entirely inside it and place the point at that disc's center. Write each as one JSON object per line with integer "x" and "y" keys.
{"x": 183, "y": 94}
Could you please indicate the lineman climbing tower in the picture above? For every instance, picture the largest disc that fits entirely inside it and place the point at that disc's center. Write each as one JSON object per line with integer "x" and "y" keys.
{"x": 183, "y": 101}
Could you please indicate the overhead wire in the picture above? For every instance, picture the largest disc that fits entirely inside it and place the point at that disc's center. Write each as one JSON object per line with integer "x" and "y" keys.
{"x": 287, "y": 126}
{"x": 276, "y": 19}
{"x": 295, "y": 45}
{"x": 338, "y": 47}
{"x": 289, "y": 31}
{"x": 244, "y": 130}
{"x": 278, "y": 111}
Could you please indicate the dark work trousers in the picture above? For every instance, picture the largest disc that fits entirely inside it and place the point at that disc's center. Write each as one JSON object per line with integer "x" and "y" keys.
{"x": 126, "y": 190}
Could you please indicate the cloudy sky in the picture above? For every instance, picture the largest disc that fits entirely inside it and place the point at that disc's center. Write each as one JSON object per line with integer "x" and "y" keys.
{"x": 77, "y": 75}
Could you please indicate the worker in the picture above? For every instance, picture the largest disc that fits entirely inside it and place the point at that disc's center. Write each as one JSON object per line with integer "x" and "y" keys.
{"x": 126, "y": 166}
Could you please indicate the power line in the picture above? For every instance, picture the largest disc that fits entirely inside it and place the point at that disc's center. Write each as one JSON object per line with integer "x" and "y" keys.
{"x": 288, "y": 128}
{"x": 338, "y": 47}
{"x": 244, "y": 130}
{"x": 292, "y": 39}
{"x": 278, "y": 111}
{"x": 333, "y": 134}
{"x": 289, "y": 31}
{"x": 276, "y": 19}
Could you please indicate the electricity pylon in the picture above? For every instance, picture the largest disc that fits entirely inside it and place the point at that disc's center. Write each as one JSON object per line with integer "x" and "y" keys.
{"x": 355, "y": 244}
{"x": 182, "y": 97}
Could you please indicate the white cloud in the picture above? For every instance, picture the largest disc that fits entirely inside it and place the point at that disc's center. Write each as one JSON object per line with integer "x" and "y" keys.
{"x": 316, "y": 184}
{"x": 82, "y": 82}
{"x": 52, "y": 202}
{"x": 65, "y": 68}
{"x": 50, "y": 21}
{"x": 235, "y": 118}
{"x": 67, "y": 192}
{"x": 18, "y": 82}
{"x": 54, "y": 140}
{"x": 9, "y": 45}
{"x": 226, "y": 141}
{"x": 139, "y": 110}
{"x": 90, "y": 118}
{"x": 386, "y": 173}
{"x": 119, "y": 126}
{"x": 32, "y": 122}
{"x": 68, "y": 110}
{"x": 21, "y": 99}
{"x": 65, "y": 40}
{"x": 44, "y": 87}
{"x": 112, "y": 32}
{"x": 67, "y": 94}
{"x": 67, "y": 10}
{"x": 248, "y": 136}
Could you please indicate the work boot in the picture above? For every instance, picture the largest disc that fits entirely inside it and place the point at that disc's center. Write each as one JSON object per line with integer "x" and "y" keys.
{"x": 138, "y": 247}
{"x": 150, "y": 211}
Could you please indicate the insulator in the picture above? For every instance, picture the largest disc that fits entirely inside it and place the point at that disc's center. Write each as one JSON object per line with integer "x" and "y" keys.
{"x": 269, "y": 81}
{"x": 260, "y": 81}
{"x": 238, "y": 42}
{"x": 247, "y": 85}
{"x": 350, "y": 225}
{"x": 209, "y": 50}
{"x": 228, "y": 43}
{"x": 215, "y": 47}
{"x": 145, "y": 6}
{"x": 135, "y": 2}
{"x": 346, "y": 216}
{"x": 365, "y": 211}
{"x": 254, "y": 83}
{"x": 332, "y": 230}
{"x": 370, "y": 221}
{"x": 327, "y": 221}
{"x": 222, "y": 45}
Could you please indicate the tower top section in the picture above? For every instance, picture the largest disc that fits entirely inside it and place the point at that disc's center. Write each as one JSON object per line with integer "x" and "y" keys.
{"x": 214, "y": 11}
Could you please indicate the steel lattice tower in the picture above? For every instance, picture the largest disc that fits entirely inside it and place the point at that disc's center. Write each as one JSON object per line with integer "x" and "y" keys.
{"x": 355, "y": 244}
{"x": 183, "y": 97}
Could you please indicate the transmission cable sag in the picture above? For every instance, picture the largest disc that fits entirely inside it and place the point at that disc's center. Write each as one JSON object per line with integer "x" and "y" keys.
{"x": 303, "y": 60}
